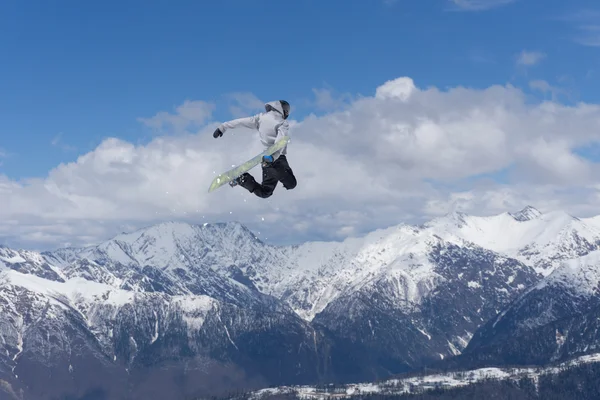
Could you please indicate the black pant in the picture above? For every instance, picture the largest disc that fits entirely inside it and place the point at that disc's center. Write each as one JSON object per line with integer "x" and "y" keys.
{"x": 278, "y": 171}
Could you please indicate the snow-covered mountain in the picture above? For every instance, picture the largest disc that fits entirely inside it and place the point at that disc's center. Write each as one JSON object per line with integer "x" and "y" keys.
{"x": 555, "y": 319}
{"x": 408, "y": 270}
{"x": 573, "y": 288}
{"x": 31, "y": 263}
{"x": 316, "y": 273}
{"x": 365, "y": 308}
{"x": 63, "y": 338}
{"x": 539, "y": 240}
{"x": 312, "y": 275}
{"x": 424, "y": 307}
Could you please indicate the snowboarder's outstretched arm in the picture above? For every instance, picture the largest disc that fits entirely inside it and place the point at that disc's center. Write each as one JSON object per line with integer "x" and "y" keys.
{"x": 247, "y": 122}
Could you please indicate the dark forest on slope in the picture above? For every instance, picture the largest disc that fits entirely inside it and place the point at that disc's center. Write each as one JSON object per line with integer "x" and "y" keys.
{"x": 574, "y": 383}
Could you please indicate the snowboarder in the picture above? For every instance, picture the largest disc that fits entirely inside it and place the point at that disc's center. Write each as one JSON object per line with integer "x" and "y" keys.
{"x": 272, "y": 126}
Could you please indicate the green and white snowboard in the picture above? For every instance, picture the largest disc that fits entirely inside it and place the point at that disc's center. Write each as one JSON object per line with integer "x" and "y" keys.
{"x": 233, "y": 173}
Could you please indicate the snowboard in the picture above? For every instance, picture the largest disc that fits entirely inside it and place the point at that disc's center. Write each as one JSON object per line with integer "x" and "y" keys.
{"x": 233, "y": 173}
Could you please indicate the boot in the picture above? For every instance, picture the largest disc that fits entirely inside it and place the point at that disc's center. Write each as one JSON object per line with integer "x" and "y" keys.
{"x": 239, "y": 180}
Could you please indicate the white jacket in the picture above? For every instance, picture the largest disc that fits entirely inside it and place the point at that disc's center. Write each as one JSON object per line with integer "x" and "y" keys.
{"x": 270, "y": 125}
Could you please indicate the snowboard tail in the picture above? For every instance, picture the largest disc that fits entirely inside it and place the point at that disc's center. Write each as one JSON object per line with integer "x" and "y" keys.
{"x": 247, "y": 166}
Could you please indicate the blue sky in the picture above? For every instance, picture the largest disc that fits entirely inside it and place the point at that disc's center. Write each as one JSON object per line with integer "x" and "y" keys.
{"x": 79, "y": 72}
{"x": 83, "y": 84}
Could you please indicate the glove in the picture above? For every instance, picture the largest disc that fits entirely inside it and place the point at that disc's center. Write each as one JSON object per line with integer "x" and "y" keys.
{"x": 217, "y": 133}
{"x": 267, "y": 160}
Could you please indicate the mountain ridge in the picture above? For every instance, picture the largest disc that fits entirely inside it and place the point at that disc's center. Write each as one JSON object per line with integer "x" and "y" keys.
{"x": 366, "y": 307}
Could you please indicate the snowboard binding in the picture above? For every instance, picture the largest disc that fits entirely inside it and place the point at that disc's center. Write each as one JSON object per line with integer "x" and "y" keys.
{"x": 237, "y": 181}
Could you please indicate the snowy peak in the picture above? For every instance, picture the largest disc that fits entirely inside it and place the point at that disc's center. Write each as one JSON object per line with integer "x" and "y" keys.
{"x": 310, "y": 276}
{"x": 539, "y": 240}
{"x": 29, "y": 262}
{"x": 450, "y": 221}
{"x": 62, "y": 257}
{"x": 527, "y": 214}
{"x": 167, "y": 233}
{"x": 580, "y": 275}
{"x": 318, "y": 273}
{"x": 177, "y": 259}
{"x": 592, "y": 221}
{"x": 175, "y": 245}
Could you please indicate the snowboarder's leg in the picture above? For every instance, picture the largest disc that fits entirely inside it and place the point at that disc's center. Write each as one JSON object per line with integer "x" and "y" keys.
{"x": 264, "y": 190}
{"x": 284, "y": 173}
{"x": 278, "y": 171}
{"x": 269, "y": 182}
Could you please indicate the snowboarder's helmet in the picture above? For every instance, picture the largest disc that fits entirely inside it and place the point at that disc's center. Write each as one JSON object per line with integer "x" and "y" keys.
{"x": 286, "y": 108}
{"x": 281, "y": 106}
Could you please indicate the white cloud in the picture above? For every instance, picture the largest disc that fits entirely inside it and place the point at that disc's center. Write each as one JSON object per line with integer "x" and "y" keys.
{"x": 326, "y": 99}
{"x": 58, "y": 142}
{"x": 402, "y": 154}
{"x": 243, "y": 104}
{"x": 400, "y": 88}
{"x": 190, "y": 113}
{"x": 586, "y": 23}
{"x": 530, "y": 58}
{"x": 546, "y": 88}
{"x": 479, "y": 56}
{"x": 479, "y": 5}
{"x": 589, "y": 36}
{"x": 541, "y": 85}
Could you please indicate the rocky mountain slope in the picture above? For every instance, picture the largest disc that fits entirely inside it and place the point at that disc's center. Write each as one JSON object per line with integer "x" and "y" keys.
{"x": 555, "y": 319}
{"x": 212, "y": 302}
{"x": 84, "y": 334}
{"x": 424, "y": 307}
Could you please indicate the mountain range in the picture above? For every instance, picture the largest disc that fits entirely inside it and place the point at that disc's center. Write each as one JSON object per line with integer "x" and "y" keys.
{"x": 175, "y": 309}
